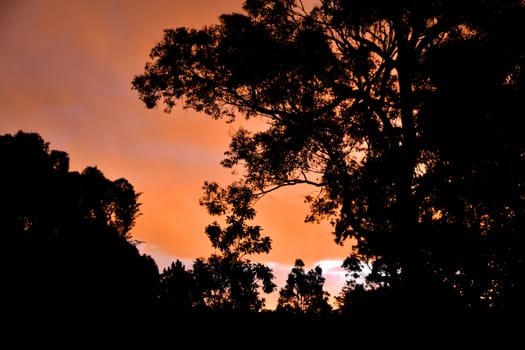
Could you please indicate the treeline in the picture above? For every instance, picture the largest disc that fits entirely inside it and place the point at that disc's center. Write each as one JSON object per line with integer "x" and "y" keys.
{"x": 69, "y": 256}
{"x": 68, "y": 244}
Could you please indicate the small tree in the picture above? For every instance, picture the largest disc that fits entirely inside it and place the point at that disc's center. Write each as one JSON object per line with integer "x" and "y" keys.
{"x": 178, "y": 290}
{"x": 303, "y": 292}
{"x": 229, "y": 280}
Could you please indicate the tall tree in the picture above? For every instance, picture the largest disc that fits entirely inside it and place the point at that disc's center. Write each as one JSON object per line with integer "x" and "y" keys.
{"x": 404, "y": 115}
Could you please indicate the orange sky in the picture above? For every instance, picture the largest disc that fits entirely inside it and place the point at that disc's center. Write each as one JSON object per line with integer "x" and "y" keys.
{"x": 66, "y": 69}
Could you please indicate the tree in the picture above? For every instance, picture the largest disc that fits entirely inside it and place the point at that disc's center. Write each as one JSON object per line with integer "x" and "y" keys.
{"x": 400, "y": 113}
{"x": 303, "y": 292}
{"x": 42, "y": 194}
{"x": 178, "y": 290}
{"x": 229, "y": 285}
{"x": 66, "y": 235}
{"x": 229, "y": 281}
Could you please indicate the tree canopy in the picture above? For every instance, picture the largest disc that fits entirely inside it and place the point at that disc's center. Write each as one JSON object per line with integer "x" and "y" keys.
{"x": 67, "y": 235}
{"x": 404, "y": 115}
{"x": 303, "y": 292}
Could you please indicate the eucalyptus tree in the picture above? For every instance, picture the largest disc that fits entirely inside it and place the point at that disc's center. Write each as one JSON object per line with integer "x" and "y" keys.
{"x": 303, "y": 292}
{"x": 404, "y": 115}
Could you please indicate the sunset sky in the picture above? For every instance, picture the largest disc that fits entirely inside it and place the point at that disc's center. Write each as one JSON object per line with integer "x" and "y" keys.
{"x": 66, "y": 69}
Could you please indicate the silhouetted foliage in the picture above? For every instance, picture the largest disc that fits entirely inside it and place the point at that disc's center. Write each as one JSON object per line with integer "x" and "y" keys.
{"x": 231, "y": 285}
{"x": 178, "y": 290}
{"x": 66, "y": 236}
{"x": 303, "y": 292}
{"x": 238, "y": 238}
{"x": 226, "y": 281}
{"x": 229, "y": 280}
{"x": 404, "y": 115}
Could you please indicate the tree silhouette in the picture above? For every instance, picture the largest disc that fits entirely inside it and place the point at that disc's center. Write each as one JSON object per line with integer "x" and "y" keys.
{"x": 66, "y": 236}
{"x": 228, "y": 280}
{"x": 238, "y": 239}
{"x": 231, "y": 281}
{"x": 402, "y": 114}
{"x": 178, "y": 290}
{"x": 303, "y": 292}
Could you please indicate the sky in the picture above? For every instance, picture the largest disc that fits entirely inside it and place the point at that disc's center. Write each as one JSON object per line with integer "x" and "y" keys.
{"x": 65, "y": 73}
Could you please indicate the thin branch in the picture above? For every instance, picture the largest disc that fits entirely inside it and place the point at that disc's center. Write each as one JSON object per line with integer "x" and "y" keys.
{"x": 286, "y": 183}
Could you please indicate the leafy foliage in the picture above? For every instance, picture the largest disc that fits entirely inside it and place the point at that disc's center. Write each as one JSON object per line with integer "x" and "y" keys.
{"x": 230, "y": 280}
{"x": 238, "y": 238}
{"x": 178, "y": 292}
{"x": 227, "y": 281}
{"x": 66, "y": 234}
{"x": 303, "y": 292}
